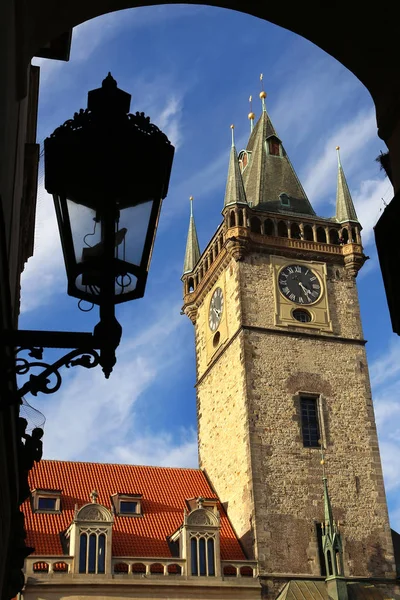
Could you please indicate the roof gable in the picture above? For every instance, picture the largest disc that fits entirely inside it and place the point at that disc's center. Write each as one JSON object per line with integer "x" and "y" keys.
{"x": 165, "y": 492}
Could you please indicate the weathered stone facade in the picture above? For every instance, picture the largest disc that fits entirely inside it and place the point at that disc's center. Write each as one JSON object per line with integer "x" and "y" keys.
{"x": 250, "y": 440}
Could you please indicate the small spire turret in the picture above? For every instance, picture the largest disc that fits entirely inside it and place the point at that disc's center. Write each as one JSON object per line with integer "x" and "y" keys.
{"x": 192, "y": 253}
{"x": 234, "y": 192}
{"x": 345, "y": 210}
{"x": 332, "y": 545}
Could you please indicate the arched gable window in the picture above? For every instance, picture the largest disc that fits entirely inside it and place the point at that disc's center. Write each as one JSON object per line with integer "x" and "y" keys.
{"x": 243, "y": 160}
{"x": 91, "y": 539}
{"x": 200, "y": 533}
{"x": 274, "y": 147}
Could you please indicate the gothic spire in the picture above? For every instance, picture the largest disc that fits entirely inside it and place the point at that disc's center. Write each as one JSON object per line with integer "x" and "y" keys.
{"x": 234, "y": 193}
{"x": 345, "y": 210}
{"x": 269, "y": 172}
{"x": 332, "y": 545}
{"x": 192, "y": 253}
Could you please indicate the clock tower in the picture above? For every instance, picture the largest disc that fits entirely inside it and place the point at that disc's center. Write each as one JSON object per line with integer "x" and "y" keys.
{"x": 282, "y": 370}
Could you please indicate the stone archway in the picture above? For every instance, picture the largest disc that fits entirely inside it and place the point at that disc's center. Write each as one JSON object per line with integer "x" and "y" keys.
{"x": 363, "y": 41}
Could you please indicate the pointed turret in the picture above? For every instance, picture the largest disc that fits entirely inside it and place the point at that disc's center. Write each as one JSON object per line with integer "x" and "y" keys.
{"x": 269, "y": 172}
{"x": 234, "y": 193}
{"x": 345, "y": 210}
{"x": 332, "y": 547}
{"x": 192, "y": 253}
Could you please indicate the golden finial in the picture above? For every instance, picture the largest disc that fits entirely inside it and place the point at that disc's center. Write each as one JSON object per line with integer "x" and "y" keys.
{"x": 338, "y": 155}
{"x": 191, "y": 205}
{"x": 251, "y": 115}
{"x": 337, "y": 147}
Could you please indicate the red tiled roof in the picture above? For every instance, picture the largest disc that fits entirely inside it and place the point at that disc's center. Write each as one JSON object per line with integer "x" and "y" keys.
{"x": 164, "y": 491}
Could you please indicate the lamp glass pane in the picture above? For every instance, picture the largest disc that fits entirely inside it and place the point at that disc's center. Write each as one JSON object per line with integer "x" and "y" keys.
{"x": 86, "y": 233}
{"x": 135, "y": 222}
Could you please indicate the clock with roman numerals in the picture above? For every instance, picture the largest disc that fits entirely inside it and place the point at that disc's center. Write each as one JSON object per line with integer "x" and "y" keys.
{"x": 299, "y": 284}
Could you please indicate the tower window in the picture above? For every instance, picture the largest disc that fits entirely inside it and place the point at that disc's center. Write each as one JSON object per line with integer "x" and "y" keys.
{"x": 309, "y": 421}
{"x": 273, "y": 147}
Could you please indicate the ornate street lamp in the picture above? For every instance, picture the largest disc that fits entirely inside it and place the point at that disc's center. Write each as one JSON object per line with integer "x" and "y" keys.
{"x": 108, "y": 172}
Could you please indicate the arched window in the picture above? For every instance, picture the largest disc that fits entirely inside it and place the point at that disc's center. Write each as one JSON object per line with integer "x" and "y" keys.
{"x": 345, "y": 235}
{"x": 193, "y": 553}
{"x": 273, "y": 147}
{"x": 338, "y": 563}
{"x": 269, "y": 227}
{"x": 308, "y": 233}
{"x": 232, "y": 220}
{"x": 282, "y": 229}
{"x": 354, "y": 235}
{"x": 334, "y": 236}
{"x": 82, "y": 553}
{"x": 191, "y": 284}
{"x": 210, "y": 557}
{"x": 321, "y": 235}
{"x": 92, "y": 553}
{"x": 202, "y": 556}
{"x": 329, "y": 561}
{"x": 255, "y": 225}
{"x": 243, "y": 160}
{"x": 240, "y": 215}
{"x": 101, "y": 553}
{"x": 295, "y": 231}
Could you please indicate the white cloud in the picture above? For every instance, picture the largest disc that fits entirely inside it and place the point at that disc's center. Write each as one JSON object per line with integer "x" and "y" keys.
{"x": 357, "y": 132}
{"x": 96, "y": 419}
{"x": 160, "y": 449}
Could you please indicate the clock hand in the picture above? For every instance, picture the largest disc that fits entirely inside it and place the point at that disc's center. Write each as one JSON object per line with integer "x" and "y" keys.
{"x": 305, "y": 290}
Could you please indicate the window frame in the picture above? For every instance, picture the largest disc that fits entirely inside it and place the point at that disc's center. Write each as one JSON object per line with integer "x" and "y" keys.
{"x": 118, "y": 499}
{"x": 303, "y": 396}
{"x": 39, "y": 494}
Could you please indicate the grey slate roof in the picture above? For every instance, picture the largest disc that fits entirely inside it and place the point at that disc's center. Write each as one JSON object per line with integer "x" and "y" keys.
{"x": 267, "y": 176}
{"x": 345, "y": 210}
{"x": 234, "y": 193}
{"x": 192, "y": 253}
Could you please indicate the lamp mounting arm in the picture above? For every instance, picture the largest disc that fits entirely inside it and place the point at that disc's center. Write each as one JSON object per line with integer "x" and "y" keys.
{"x": 28, "y": 345}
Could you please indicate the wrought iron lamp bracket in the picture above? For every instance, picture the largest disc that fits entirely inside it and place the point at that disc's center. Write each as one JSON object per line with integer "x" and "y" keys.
{"x": 84, "y": 353}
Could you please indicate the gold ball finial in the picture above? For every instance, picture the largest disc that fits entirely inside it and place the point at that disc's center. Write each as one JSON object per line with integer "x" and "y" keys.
{"x": 252, "y": 116}
{"x": 322, "y": 462}
{"x": 337, "y": 147}
{"x": 232, "y": 126}
{"x": 191, "y": 198}
{"x": 263, "y": 94}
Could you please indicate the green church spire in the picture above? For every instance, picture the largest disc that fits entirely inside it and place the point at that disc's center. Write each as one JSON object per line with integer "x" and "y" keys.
{"x": 332, "y": 546}
{"x": 192, "y": 253}
{"x": 345, "y": 210}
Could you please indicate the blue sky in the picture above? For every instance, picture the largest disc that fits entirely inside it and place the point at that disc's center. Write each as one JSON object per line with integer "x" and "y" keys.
{"x": 192, "y": 69}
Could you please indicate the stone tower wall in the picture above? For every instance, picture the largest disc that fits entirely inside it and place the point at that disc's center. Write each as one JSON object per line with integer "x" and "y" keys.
{"x": 250, "y": 441}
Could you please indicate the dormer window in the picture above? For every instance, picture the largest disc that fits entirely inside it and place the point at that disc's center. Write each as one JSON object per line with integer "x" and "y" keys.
{"x": 285, "y": 200}
{"x": 127, "y": 505}
{"x": 243, "y": 160}
{"x": 274, "y": 147}
{"x": 46, "y": 501}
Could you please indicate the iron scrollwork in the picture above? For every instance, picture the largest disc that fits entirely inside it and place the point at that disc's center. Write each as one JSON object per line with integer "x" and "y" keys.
{"x": 49, "y": 379}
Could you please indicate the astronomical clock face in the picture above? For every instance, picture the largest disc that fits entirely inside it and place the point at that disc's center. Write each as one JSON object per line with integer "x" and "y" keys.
{"x": 299, "y": 284}
{"x": 216, "y": 309}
